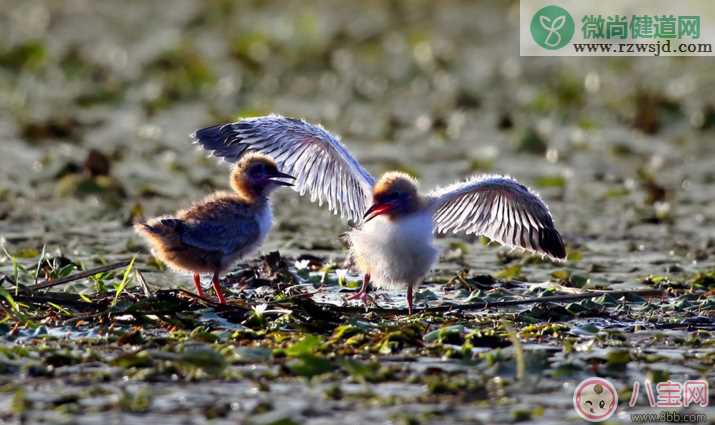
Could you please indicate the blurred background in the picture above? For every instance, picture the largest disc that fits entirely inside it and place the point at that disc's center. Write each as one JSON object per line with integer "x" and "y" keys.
{"x": 98, "y": 99}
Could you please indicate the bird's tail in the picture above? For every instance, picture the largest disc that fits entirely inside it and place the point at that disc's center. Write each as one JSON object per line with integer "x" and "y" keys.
{"x": 161, "y": 228}
{"x": 144, "y": 228}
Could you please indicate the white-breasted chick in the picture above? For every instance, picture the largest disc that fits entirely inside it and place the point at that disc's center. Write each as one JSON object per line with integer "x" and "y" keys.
{"x": 393, "y": 247}
{"x": 211, "y": 235}
{"x": 392, "y": 242}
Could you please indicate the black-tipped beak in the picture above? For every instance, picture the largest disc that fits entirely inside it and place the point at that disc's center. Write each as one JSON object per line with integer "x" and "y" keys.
{"x": 377, "y": 209}
{"x": 278, "y": 175}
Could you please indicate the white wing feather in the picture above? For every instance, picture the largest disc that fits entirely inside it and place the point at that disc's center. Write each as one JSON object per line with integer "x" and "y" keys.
{"x": 323, "y": 167}
{"x": 500, "y": 208}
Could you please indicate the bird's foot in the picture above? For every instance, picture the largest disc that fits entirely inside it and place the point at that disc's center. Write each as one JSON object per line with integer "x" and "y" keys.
{"x": 364, "y": 297}
{"x": 217, "y": 288}
{"x": 197, "y": 284}
{"x": 221, "y": 298}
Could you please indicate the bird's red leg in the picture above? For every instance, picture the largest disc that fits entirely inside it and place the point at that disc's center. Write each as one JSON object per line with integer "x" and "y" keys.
{"x": 197, "y": 283}
{"x": 409, "y": 299}
{"x": 217, "y": 289}
{"x": 362, "y": 294}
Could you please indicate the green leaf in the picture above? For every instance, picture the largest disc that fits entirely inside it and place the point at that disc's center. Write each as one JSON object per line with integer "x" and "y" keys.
{"x": 10, "y": 300}
{"x": 129, "y": 360}
{"x": 125, "y": 280}
{"x": 562, "y": 275}
{"x": 445, "y": 334}
{"x": 310, "y": 365}
{"x": 307, "y": 345}
{"x": 65, "y": 271}
{"x": 359, "y": 370}
{"x": 137, "y": 402}
{"x": 344, "y": 331}
{"x": 583, "y": 308}
{"x": 85, "y": 298}
{"x": 606, "y": 299}
{"x": 573, "y": 255}
{"x": 205, "y": 358}
{"x": 510, "y": 273}
{"x": 618, "y": 358}
{"x": 26, "y": 253}
{"x": 532, "y": 142}
{"x": 551, "y": 181}
{"x": 60, "y": 308}
{"x": 578, "y": 281}
{"x": 254, "y": 354}
{"x": 20, "y": 403}
{"x": 704, "y": 279}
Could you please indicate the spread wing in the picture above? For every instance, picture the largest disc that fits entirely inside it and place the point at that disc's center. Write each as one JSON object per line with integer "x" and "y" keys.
{"x": 323, "y": 167}
{"x": 500, "y": 208}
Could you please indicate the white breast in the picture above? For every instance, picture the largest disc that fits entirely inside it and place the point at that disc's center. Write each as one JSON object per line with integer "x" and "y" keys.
{"x": 395, "y": 253}
{"x": 265, "y": 220}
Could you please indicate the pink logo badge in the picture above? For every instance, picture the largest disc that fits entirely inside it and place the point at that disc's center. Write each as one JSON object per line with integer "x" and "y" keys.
{"x": 595, "y": 399}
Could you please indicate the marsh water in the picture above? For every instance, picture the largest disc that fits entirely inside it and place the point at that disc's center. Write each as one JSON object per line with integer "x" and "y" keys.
{"x": 98, "y": 100}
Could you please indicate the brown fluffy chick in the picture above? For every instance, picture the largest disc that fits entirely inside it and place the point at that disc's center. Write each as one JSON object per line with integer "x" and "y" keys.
{"x": 211, "y": 235}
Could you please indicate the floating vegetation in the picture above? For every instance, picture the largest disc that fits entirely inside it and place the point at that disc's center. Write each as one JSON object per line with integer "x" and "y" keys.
{"x": 99, "y": 100}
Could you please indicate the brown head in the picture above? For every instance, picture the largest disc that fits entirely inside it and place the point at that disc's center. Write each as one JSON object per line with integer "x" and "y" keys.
{"x": 256, "y": 175}
{"x": 395, "y": 195}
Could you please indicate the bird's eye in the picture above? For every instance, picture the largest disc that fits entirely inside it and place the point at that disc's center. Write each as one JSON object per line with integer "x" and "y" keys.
{"x": 388, "y": 197}
{"x": 601, "y": 404}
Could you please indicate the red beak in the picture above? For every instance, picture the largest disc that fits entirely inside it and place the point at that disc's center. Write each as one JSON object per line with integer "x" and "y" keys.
{"x": 377, "y": 209}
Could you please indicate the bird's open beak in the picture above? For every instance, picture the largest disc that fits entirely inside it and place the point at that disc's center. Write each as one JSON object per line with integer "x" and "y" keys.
{"x": 378, "y": 209}
{"x": 278, "y": 175}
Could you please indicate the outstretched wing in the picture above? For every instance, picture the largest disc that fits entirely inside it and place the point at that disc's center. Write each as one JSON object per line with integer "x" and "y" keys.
{"x": 500, "y": 208}
{"x": 323, "y": 167}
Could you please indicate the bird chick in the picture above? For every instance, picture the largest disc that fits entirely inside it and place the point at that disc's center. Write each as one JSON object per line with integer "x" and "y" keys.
{"x": 211, "y": 235}
{"x": 392, "y": 241}
{"x": 394, "y": 246}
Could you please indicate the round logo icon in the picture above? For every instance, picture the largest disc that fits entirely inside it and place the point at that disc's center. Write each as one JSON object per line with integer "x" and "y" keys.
{"x": 595, "y": 399}
{"x": 552, "y": 27}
